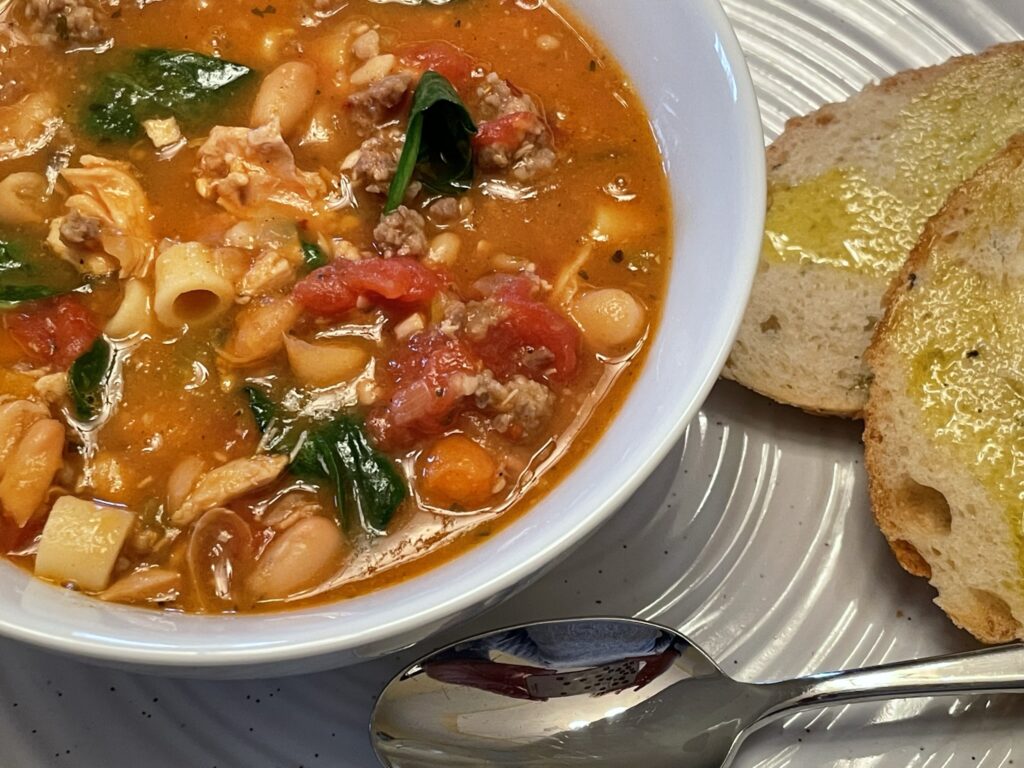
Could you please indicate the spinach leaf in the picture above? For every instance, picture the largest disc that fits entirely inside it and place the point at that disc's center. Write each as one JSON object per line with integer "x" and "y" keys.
{"x": 368, "y": 489}
{"x": 158, "y": 83}
{"x": 87, "y": 380}
{"x": 313, "y": 256}
{"x": 437, "y": 142}
{"x": 264, "y": 411}
{"x": 25, "y": 277}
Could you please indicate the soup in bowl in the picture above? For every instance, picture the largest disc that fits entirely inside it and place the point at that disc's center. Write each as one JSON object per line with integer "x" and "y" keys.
{"x": 309, "y": 308}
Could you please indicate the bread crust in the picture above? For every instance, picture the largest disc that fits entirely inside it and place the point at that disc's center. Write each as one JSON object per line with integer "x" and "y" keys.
{"x": 803, "y": 336}
{"x": 902, "y": 508}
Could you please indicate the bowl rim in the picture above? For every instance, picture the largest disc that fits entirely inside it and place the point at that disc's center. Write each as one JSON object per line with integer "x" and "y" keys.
{"x": 751, "y": 204}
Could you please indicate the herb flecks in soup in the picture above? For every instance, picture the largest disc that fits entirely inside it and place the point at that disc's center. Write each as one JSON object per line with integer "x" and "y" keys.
{"x": 299, "y": 300}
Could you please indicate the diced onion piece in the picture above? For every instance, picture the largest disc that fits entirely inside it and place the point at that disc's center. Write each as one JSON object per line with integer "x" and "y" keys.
{"x": 298, "y": 558}
{"x": 612, "y": 320}
{"x": 81, "y": 542}
{"x": 323, "y": 365}
{"x": 163, "y": 133}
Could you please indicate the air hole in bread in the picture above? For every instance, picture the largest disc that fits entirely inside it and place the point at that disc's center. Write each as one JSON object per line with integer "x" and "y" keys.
{"x": 771, "y": 324}
{"x": 924, "y": 508}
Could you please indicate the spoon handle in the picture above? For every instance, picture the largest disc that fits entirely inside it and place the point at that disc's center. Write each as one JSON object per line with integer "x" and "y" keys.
{"x": 992, "y": 670}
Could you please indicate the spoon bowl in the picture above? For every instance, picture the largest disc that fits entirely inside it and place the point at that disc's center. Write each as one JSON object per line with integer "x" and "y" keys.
{"x": 621, "y": 692}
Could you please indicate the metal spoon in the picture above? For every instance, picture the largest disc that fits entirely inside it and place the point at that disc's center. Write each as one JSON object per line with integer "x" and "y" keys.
{"x": 621, "y": 692}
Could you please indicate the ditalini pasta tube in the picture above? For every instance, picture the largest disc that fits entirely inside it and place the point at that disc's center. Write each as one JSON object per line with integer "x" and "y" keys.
{"x": 189, "y": 287}
{"x": 135, "y": 315}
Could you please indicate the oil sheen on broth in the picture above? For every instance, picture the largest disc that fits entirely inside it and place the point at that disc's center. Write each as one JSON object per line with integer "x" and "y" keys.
{"x": 258, "y": 348}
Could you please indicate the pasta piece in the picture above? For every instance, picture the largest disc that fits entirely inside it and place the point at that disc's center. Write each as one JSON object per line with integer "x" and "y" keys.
{"x": 287, "y": 93}
{"x": 23, "y": 199}
{"x": 190, "y": 290}
{"x": 300, "y": 557}
{"x": 135, "y": 315}
{"x": 146, "y": 585}
{"x": 182, "y": 480}
{"x": 81, "y": 541}
{"x": 229, "y": 482}
{"x": 15, "y": 419}
{"x": 260, "y": 330}
{"x": 31, "y": 469}
{"x": 323, "y": 365}
{"x": 107, "y": 195}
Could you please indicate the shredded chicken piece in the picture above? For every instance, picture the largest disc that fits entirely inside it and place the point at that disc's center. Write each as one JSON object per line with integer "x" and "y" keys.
{"x": 228, "y": 482}
{"x": 270, "y": 270}
{"x": 245, "y": 169}
{"x": 401, "y": 233}
{"x": 375, "y": 104}
{"x": 107, "y": 227}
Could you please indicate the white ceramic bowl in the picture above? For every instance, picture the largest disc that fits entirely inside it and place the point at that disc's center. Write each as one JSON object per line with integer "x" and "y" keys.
{"x": 685, "y": 61}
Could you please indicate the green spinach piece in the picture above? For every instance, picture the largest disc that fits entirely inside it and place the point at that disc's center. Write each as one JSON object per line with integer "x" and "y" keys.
{"x": 313, "y": 256}
{"x": 367, "y": 487}
{"x": 438, "y": 142}
{"x": 87, "y": 380}
{"x": 158, "y": 82}
{"x": 27, "y": 277}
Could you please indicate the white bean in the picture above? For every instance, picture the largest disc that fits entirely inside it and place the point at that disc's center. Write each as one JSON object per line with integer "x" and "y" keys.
{"x": 15, "y": 419}
{"x": 298, "y": 558}
{"x": 444, "y": 249}
{"x": 31, "y": 469}
{"x": 375, "y": 69}
{"x": 323, "y": 365}
{"x": 23, "y": 198}
{"x": 611, "y": 319}
{"x": 287, "y": 94}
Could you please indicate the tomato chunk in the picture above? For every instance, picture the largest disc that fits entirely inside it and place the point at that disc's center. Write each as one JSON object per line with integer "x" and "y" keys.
{"x": 56, "y": 331}
{"x": 424, "y": 395}
{"x": 508, "y": 132}
{"x": 444, "y": 58}
{"x": 517, "y": 344}
{"x": 336, "y": 288}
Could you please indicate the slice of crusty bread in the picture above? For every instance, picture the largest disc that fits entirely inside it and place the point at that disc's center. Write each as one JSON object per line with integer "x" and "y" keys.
{"x": 944, "y": 422}
{"x": 805, "y": 330}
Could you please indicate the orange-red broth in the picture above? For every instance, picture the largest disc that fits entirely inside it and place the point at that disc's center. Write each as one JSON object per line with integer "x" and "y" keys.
{"x": 179, "y": 400}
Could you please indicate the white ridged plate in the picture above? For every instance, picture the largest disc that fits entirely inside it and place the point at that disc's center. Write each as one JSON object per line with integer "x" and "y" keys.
{"x": 754, "y": 536}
